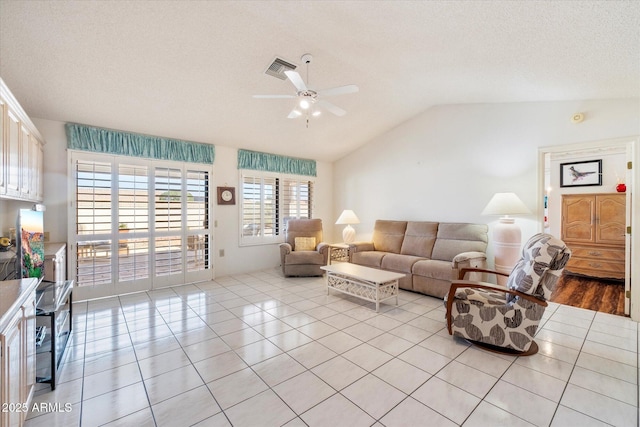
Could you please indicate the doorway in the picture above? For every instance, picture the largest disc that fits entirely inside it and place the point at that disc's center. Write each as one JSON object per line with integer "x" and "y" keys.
{"x": 618, "y": 155}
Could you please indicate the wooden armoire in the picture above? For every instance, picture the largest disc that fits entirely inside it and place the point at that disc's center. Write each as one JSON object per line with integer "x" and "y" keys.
{"x": 593, "y": 226}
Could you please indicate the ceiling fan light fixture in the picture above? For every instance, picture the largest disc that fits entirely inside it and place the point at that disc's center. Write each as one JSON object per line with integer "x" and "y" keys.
{"x": 297, "y": 113}
{"x": 316, "y": 113}
{"x": 304, "y": 104}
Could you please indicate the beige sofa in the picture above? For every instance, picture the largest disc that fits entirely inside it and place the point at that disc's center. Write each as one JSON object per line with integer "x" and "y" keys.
{"x": 429, "y": 253}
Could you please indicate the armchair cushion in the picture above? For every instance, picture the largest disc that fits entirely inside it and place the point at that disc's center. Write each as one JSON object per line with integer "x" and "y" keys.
{"x": 304, "y": 244}
{"x": 304, "y": 257}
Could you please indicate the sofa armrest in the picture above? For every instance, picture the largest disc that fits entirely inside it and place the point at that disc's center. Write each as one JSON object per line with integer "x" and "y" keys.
{"x": 469, "y": 259}
{"x": 360, "y": 247}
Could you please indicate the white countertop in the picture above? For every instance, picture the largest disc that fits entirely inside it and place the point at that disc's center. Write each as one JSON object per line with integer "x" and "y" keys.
{"x": 14, "y": 293}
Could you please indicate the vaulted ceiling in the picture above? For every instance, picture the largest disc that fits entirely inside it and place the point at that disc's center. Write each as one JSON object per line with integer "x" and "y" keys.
{"x": 188, "y": 69}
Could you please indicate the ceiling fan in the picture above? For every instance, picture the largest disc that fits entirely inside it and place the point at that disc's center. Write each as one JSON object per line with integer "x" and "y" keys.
{"x": 309, "y": 101}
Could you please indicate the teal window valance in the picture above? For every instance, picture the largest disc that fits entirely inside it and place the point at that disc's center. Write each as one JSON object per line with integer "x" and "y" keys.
{"x": 274, "y": 163}
{"x": 108, "y": 141}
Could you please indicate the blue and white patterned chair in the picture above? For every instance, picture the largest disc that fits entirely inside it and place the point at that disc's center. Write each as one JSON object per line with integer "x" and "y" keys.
{"x": 506, "y": 319}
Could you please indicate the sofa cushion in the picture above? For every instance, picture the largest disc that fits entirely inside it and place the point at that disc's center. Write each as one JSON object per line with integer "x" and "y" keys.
{"x": 400, "y": 263}
{"x": 433, "y": 268}
{"x": 368, "y": 258}
{"x": 419, "y": 238}
{"x": 454, "y": 238}
{"x": 388, "y": 235}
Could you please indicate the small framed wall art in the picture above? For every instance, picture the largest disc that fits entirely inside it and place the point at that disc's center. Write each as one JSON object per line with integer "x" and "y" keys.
{"x": 226, "y": 195}
{"x": 581, "y": 174}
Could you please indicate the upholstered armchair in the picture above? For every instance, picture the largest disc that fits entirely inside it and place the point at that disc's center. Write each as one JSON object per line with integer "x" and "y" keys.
{"x": 506, "y": 319}
{"x": 303, "y": 252}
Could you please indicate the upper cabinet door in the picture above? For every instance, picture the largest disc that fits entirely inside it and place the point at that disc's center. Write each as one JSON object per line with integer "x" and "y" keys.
{"x": 12, "y": 164}
{"x": 37, "y": 169}
{"x": 3, "y": 148}
{"x": 25, "y": 162}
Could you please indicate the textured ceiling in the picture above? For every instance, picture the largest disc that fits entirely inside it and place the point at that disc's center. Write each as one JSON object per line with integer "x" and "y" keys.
{"x": 188, "y": 69}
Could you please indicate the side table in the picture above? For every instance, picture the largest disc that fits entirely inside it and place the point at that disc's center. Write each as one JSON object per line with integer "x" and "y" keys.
{"x": 338, "y": 252}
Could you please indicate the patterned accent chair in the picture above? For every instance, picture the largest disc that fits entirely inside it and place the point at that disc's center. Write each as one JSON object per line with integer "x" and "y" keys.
{"x": 303, "y": 252}
{"x": 506, "y": 319}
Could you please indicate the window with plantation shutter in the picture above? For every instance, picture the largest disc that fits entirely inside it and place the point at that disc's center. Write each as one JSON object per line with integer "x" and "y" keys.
{"x": 268, "y": 201}
{"x": 93, "y": 223}
{"x": 138, "y": 224}
{"x": 133, "y": 222}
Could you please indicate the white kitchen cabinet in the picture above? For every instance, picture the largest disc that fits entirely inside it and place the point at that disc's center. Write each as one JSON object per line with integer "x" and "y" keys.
{"x": 3, "y": 148}
{"x": 17, "y": 351}
{"x": 22, "y": 147}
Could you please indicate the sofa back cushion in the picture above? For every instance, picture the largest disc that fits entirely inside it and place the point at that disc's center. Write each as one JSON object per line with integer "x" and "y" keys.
{"x": 388, "y": 235}
{"x": 419, "y": 238}
{"x": 455, "y": 238}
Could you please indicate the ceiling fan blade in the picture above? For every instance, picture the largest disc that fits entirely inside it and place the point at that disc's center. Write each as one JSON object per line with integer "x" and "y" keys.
{"x": 332, "y": 108}
{"x": 294, "y": 114}
{"x": 341, "y": 90}
{"x": 296, "y": 80}
{"x": 274, "y": 96}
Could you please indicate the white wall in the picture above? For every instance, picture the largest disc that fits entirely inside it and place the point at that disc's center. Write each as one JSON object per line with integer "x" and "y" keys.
{"x": 226, "y": 235}
{"x": 446, "y": 163}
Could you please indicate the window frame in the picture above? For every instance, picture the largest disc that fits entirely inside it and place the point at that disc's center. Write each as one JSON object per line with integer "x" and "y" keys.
{"x": 280, "y": 226}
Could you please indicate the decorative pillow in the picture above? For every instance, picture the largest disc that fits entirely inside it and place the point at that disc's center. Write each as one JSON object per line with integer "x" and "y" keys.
{"x": 304, "y": 244}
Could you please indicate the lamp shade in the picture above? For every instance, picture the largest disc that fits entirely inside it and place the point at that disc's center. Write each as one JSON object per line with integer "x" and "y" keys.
{"x": 348, "y": 217}
{"x": 505, "y": 204}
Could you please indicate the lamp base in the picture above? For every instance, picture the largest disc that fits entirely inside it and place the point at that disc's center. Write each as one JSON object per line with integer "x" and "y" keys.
{"x": 506, "y": 241}
{"x": 348, "y": 234}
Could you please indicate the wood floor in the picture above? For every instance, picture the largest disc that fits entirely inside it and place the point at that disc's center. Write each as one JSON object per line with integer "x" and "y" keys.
{"x": 593, "y": 294}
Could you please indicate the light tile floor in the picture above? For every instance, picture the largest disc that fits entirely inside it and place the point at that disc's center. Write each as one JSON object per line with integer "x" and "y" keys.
{"x": 261, "y": 350}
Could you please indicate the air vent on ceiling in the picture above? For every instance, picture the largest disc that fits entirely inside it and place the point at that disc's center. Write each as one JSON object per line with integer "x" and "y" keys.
{"x": 278, "y": 67}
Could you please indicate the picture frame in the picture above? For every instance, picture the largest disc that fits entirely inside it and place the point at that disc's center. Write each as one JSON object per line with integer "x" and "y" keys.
{"x": 581, "y": 174}
{"x": 226, "y": 195}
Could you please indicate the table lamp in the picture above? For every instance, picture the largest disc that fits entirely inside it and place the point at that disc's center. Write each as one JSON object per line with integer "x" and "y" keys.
{"x": 506, "y": 234}
{"x": 348, "y": 217}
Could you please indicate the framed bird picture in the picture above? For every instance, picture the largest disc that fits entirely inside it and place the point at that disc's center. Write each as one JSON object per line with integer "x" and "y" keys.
{"x": 581, "y": 174}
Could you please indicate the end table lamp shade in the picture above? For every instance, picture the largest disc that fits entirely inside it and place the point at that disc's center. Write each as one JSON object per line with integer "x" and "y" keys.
{"x": 348, "y": 217}
{"x": 506, "y": 234}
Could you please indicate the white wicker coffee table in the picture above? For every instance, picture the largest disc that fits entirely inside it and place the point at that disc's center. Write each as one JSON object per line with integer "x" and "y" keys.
{"x": 366, "y": 283}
